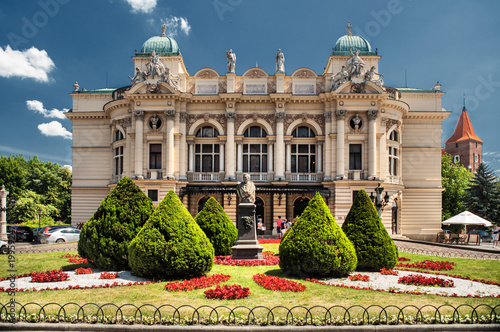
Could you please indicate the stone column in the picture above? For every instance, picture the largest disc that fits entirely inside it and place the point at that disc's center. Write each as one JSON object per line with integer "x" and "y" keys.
{"x": 183, "y": 144}
{"x": 191, "y": 156}
{"x": 139, "y": 144}
{"x": 221, "y": 156}
{"x": 372, "y": 144}
{"x": 3, "y": 216}
{"x": 288, "y": 153}
{"x": 230, "y": 155}
{"x": 280, "y": 145}
{"x": 270, "y": 160}
{"x": 340, "y": 144}
{"x": 170, "y": 114}
{"x": 328, "y": 146}
{"x": 239, "y": 150}
{"x": 319, "y": 153}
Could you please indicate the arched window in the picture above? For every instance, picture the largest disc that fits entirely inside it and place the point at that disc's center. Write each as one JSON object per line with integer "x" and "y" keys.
{"x": 207, "y": 155}
{"x": 254, "y": 151}
{"x": 207, "y": 131}
{"x": 303, "y": 154}
{"x": 303, "y": 131}
{"x": 118, "y": 136}
{"x": 394, "y": 136}
{"x": 201, "y": 203}
{"x": 255, "y": 131}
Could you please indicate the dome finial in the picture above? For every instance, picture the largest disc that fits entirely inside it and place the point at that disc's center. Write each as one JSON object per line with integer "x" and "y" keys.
{"x": 349, "y": 27}
{"x": 163, "y": 29}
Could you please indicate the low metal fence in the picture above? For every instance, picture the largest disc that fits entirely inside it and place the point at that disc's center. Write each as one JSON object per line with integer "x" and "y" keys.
{"x": 149, "y": 314}
{"x": 452, "y": 253}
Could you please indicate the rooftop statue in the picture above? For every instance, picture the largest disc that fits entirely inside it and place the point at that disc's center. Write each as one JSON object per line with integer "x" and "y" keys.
{"x": 246, "y": 190}
{"x": 231, "y": 61}
{"x": 280, "y": 62}
{"x": 355, "y": 65}
{"x": 374, "y": 77}
{"x": 340, "y": 78}
{"x": 155, "y": 67}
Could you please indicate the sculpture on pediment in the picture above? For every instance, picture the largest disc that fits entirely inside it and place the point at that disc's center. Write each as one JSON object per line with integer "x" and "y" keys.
{"x": 155, "y": 67}
{"x": 374, "y": 77}
{"x": 355, "y": 65}
{"x": 231, "y": 61}
{"x": 340, "y": 78}
{"x": 280, "y": 62}
{"x": 139, "y": 76}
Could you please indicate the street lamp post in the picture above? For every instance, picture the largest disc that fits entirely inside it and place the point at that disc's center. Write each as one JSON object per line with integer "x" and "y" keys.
{"x": 378, "y": 201}
{"x": 39, "y": 213}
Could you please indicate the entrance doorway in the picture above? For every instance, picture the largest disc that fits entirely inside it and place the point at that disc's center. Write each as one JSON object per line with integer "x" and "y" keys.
{"x": 299, "y": 206}
{"x": 259, "y": 212}
{"x": 201, "y": 203}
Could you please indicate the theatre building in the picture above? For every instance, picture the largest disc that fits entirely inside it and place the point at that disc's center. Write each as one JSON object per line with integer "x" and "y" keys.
{"x": 294, "y": 132}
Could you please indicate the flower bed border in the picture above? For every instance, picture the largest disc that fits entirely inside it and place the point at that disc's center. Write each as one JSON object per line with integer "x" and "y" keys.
{"x": 279, "y": 284}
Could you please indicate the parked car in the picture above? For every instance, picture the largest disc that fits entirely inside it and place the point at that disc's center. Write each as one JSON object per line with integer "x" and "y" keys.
{"x": 36, "y": 232}
{"x": 47, "y": 228}
{"x": 60, "y": 235}
{"x": 4, "y": 247}
{"x": 23, "y": 233}
{"x": 484, "y": 235}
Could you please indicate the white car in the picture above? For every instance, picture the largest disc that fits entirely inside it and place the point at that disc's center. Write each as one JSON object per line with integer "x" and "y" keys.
{"x": 60, "y": 235}
{"x": 4, "y": 247}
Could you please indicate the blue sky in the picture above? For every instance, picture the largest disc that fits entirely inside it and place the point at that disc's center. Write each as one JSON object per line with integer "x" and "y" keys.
{"x": 47, "y": 45}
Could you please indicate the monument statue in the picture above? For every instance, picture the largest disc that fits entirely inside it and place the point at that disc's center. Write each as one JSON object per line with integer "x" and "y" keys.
{"x": 246, "y": 190}
{"x": 155, "y": 67}
{"x": 374, "y": 77}
{"x": 280, "y": 62}
{"x": 340, "y": 78}
{"x": 231, "y": 61}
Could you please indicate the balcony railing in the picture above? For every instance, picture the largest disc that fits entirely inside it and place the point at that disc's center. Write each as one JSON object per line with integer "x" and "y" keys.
{"x": 305, "y": 177}
{"x": 258, "y": 176}
{"x": 213, "y": 177}
{"x": 393, "y": 179}
{"x": 154, "y": 175}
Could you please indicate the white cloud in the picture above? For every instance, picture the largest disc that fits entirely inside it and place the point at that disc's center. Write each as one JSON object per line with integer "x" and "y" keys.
{"x": 175, "y": 23}
{"x": 144, "y": 6}
{"x": 37, "y": 107}
{"x": 31, "y": 63}
{"x": 54, "y": 128}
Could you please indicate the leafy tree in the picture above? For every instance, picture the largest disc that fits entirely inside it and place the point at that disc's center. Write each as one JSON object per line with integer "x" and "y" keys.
{"x": 27, "y": 207}
{"x": 483, "y": 195}
{"x": 218, "y": 227}
{"x": 13, "y": 175}
{"x": 316, "y": 245}
{"x": 374, "y": 247}
{"x": 171, "y": 244}
{"x": 455, "y": 179}
{"x": 105, "y": 237}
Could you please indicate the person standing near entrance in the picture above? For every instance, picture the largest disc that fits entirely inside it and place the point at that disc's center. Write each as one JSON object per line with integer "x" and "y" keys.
{"x": 278, "y": 226}
{"x": 494, "y": 234}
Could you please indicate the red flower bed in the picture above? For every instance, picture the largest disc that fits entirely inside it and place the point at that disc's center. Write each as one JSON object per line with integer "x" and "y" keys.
{"x": 227, "y": 260}
{"x": 429, "y": 265}
{"x": 360, "y": 277}
{"x": 267, "y": 254}
{"x": 264, "y": 241}
{"x": 109, "y": 275}
{"x": 197, "y": 283}
{"x": 83, "y": 270}
{"x": 388, "y": 272}
{"x": 78, "y": 260}
{"x": 278, "y": 284}
{"x": 403, "y": 259}
{"x": 227, "y": 292}
{"x": 70, "y": 256}
{"x": 483, "y": 281}
{"x": 115, "y": 284}
{"x": 49, "y": 276}
{"x": 418, "y": 280}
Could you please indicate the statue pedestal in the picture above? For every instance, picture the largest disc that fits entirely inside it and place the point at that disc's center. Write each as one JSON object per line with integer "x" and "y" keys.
{"x": 247, "y": 246}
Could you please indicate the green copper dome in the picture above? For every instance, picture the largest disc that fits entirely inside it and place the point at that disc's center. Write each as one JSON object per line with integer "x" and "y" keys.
{"x": 348, "y": 43}
{"x": 162, "y": 46}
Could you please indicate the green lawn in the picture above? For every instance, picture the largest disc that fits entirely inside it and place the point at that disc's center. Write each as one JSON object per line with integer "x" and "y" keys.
{"x": 315, "y": 295}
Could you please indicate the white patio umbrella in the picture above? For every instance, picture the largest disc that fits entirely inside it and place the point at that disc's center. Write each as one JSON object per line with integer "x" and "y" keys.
{"x": 467, "y": 218}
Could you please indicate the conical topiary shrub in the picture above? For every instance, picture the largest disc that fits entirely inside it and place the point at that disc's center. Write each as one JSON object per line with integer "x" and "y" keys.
{"x": 218, "y": 227}
{"x": 171, "y": 244}
{"x": 374, "y": 247}
{"x": 104, "y": 239}
{"x": 316, "y": 245}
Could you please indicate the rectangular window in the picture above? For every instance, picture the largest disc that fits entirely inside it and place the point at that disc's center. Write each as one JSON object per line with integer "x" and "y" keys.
{"x": 155, "y": 156}
{"x": 355, "y": 156}
{"x": 118, "y": 160}
{"x": 153, "y": 194}
{"x": 354, "y": 194}
{"x": 456, "y": 159}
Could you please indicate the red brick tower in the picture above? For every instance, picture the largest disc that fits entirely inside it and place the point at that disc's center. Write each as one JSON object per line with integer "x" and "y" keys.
{"x": 464, "y": 146}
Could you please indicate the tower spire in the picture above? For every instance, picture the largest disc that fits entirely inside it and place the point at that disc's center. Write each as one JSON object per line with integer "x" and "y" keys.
{"x": 464, "y": 101}
{"x": 349, "y": 27}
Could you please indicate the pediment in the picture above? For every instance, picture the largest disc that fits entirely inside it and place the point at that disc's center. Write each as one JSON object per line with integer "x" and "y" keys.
{"x": 255, "y": 73}
{"x": 153, "y": 87}
{"x": 206, "y": 73}
{"x": 304, "y": 73}
{"x": 362, "y": 87}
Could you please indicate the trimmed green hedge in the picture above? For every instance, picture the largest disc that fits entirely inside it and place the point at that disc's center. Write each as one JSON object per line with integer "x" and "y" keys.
{"x": 218, "y": 227}
{"x": 374, "y": 247}
{"x": 316, "y": 246}
{"x": 171, "y": 244}
{"x": 104, "y": 239}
